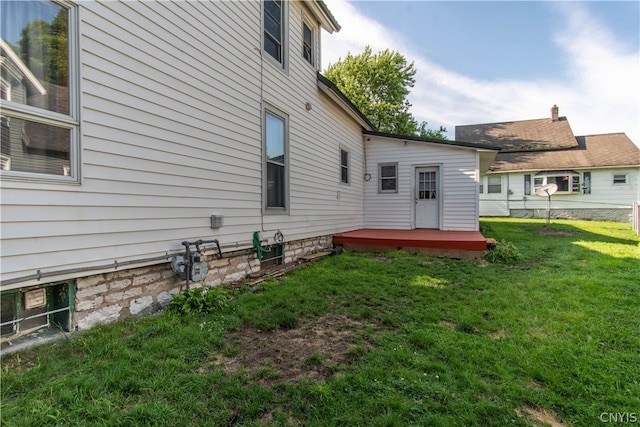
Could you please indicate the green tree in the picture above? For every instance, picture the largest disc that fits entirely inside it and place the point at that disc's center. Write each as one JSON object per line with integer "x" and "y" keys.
{"x": 378, "y": 84}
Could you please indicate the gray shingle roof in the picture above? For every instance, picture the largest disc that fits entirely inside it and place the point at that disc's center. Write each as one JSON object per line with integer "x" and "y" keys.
{"x": 592, "y": 151}
{"x": 536, "y": 134}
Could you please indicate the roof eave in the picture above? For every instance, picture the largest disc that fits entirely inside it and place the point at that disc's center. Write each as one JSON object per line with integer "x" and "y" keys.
{"x": 324, "y": 15}
{"x": 341, "y": 100}
{"x": 445, "y": 142}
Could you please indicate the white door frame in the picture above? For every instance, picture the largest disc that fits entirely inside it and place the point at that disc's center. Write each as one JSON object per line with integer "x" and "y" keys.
{"x": 440, "y": 194}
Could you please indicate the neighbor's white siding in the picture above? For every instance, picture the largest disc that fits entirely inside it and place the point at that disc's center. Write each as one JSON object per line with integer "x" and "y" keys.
{"x": 495, "y": 204}
{"x": 171, "y": 109}
{"x": 604, "y": 194}
{"x": 458, "y": 172}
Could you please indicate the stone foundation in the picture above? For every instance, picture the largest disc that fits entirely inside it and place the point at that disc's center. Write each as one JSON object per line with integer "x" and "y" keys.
{"x": 616, "y": 215}
{"x": 107, "y": 297}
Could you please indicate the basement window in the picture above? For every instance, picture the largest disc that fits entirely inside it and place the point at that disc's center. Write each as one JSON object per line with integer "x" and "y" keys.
{"x": 30, "y": 309}
{"x": 273, "y": 257}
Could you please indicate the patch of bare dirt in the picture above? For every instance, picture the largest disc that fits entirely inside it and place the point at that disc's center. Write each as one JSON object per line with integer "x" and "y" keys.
{"x": 499, "y": 334}
{"x": 539, "y": 417}
{"x": 446, "y": 324}
{"x": 313, "y": 351}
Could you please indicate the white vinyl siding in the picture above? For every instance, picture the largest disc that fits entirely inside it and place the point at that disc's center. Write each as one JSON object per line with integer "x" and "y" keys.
{"x": 172, "y": 96}
{"x": 459, "y": 185}
{"x": 600, "y": 194}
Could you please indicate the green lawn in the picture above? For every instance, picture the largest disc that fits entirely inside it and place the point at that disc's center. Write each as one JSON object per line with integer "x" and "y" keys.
{"x": 373, "y": 340}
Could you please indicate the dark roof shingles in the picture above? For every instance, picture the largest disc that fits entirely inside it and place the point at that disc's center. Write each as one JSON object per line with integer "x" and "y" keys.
{"x": 536, "y": 134}
{"x": 606, "y": 150}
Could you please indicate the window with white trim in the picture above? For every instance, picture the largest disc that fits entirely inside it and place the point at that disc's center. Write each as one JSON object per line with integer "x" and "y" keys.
{"x": 345, "y": 161}
{"x": 388, "y": 177}
{"x": 276, "y": 160}
{"x": 620, "y": 178}
{"x": 308, "y": 40}
{"x": 568, "y": 182}
{"x": 274, "y": 29}
{"x": 39, "y": 88}
{"x": 494, "y": 184}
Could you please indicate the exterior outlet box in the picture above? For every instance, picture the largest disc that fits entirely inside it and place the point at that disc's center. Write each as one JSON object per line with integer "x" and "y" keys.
{"x": 216, "y": 221}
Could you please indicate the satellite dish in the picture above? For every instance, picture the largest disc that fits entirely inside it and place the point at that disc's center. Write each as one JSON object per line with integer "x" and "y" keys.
{"x": 547, "y": 190}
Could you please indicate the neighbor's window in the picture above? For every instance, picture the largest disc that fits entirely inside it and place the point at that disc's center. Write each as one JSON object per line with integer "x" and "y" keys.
{"x": 276, "y": 160}
{"x": 344, "y": 166}
{"x": 38, "y": 82}
{"x": 494, "y": 184}
{"x": 568, "y": 182}
{"x": 388, "y": 177}
{"x": 274, "y": 28}
{"x": 620, "y": 179}
{"x": 307, "y": 43}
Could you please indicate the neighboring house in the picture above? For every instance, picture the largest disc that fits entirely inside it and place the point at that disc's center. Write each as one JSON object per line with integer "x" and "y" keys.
{"x": 177, "y": 121}
{"x": 597, "y": 176}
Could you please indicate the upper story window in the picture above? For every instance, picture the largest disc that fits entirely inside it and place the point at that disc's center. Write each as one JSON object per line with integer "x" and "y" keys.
{"x": 344, "y": 166}
{"x": 273, "y": 27}
{"x": 276, "y": 159}
{"x": 308, "y": 51}
{"x": 39, "y": 89}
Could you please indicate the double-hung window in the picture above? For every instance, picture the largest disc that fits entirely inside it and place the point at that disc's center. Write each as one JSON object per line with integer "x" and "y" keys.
{"x": 276, "y": 161}
{"x": 274, "y": 29}
{"x": 494, "y": 184}
{"x": 388, "y": 177}
{"x": 308, "y": 51}
{"x": 620, "y": 178}
{"x": 344, "y": 166}
{"x": 39, "y": 89}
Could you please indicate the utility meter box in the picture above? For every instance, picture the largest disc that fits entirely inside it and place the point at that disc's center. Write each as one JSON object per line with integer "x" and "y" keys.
{"x": 216, "y": 221}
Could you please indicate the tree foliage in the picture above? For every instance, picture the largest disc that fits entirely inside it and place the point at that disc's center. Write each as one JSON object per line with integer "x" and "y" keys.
{"x": 378, "y": 84}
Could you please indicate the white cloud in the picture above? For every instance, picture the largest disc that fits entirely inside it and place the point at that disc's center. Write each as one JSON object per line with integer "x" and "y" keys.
{"x": 600, "y": 97}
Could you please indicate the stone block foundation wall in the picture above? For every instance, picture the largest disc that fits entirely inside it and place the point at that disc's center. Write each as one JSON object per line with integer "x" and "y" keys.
{"x": 616, "y": 215}
{"x": 107, "y": 297}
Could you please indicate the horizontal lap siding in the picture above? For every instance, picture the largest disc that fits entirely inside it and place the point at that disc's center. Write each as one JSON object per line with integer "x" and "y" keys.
{"x": 396, "y": 210}
{"x": 172, "y": 96}
{"x": 604, "y": 194}
{"x": 319, "y": 203}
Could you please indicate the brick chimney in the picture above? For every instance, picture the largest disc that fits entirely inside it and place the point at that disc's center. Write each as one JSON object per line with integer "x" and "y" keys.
{"x": 554, "y": 113}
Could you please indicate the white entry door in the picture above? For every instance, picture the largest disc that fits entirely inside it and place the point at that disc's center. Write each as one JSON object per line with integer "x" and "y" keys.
{"x": 427, "y": 198}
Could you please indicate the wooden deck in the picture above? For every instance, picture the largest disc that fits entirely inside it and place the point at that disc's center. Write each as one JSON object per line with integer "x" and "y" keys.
{"x": 455, "y": 244}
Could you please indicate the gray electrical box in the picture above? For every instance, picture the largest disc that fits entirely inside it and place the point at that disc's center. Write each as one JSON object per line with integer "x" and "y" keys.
{"x": 216, "y": 221}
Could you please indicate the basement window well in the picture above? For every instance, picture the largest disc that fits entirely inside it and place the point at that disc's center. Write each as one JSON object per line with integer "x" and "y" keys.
{"x": 29, "y": 309}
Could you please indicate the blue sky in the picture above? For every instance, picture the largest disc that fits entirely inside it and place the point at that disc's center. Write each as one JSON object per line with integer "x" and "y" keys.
{"x": 480, "y": 62}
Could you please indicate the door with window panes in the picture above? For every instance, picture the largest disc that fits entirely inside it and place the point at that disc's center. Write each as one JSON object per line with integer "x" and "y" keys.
{"x": 427, "y": 198}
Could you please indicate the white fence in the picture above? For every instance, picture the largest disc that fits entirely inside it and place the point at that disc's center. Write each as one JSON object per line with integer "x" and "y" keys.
{"x": 636, "y": 217}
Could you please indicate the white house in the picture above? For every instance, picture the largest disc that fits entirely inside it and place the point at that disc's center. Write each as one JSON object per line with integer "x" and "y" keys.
{"x": 419, "y": 183}
{"x": 597, "y": 176}
{"x": 169, "y": 123}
